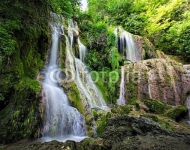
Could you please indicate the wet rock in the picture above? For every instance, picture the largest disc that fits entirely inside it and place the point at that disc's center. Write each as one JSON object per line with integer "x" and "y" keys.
{"x": 162, "y": 79}
{"x": 121, "y": 133}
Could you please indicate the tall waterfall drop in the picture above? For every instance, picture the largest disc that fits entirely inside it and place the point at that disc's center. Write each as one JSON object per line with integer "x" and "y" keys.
{"x": 62, "y": 122}
{"x": 79, "y": 71}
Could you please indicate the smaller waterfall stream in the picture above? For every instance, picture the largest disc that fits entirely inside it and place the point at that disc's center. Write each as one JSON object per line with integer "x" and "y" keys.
{"x": 187, "y": 68}
{"x": 126, "y": 45}
{"x": 80, "y": 72}
{"x": 82, "y": 50}
{"x": 149, "y": 84}
{"x": 188, "y": 107}
{"x": 121, "y": 100}
{"x": 63, "y": 122}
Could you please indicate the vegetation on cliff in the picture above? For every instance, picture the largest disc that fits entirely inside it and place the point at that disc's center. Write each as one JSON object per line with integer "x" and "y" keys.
{"x": 24, "y": 41}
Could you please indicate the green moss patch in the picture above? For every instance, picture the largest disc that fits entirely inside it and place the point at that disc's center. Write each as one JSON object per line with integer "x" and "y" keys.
{"x": 155, "y": 106}
{"x": 176, "y": 113}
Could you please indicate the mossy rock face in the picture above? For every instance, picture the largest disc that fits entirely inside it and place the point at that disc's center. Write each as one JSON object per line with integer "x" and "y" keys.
{"x": 74, "y": 97}
{"x": 121, "y": 110}
{"x": 177, "y": 112}
{"x": 19, "y": 89}
{"x": 155, "y": 106}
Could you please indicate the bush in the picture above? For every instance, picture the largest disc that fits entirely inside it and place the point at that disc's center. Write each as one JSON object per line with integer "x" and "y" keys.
{"x": 176, "y": 113}
{"x": 155, "y": 106}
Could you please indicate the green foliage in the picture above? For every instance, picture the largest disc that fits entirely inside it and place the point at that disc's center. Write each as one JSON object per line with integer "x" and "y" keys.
{"x": 102, "y": 52}
{"x": 95, "y": 114}
{"x": 123, "y": 13}
{"x": 166, "y": 125}
{"x": 110, "y": 81}
{"x": 166, "y": 23}
{"x": 23, "y": 44}
{"x": 168, "y": 27}
{"x": 131, "y": 87}
{"x": 102, "y": 125}
{"x": 176, "y": 112}
{"x": 155, "y": 106}
{"x": 114, "y": 58}
{"x": 7, "y": 45}
{"x": 27, "y": 87}
{"x": 97, "y": 36}
{"x": 64, "y": 7}
{"x": 121, "y": 110}
{"x": 135, "y": 23}
{"x": 74, "y": 97}
{"x": 1, "y": 97}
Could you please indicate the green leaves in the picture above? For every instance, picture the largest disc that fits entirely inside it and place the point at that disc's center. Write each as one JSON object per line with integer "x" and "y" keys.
{"x": 7, "y": 43}
{"x": 64, "y": 7}
{"x": 114, "y": 58}
{"x": 28, "y": 85}
{"x": 1, "y": 97}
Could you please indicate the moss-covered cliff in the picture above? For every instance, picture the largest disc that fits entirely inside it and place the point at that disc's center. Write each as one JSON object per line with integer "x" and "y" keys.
{"x": 24, "y": 41}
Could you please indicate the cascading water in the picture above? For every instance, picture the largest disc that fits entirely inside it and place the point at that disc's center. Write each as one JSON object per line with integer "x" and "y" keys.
{"x": 63, "y": 122}
{"x": 188, "y": 107}
{"x": 79, "y": 71}
{"x": 149, "y": 85}
{"x": 82, "y": 50}
{"x": 121, "y": 100}
{"x": 126, "y": 45}
{"x": 187, "y": 68}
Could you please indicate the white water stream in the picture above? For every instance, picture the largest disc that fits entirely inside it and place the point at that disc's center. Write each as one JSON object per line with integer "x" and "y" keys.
{"x": 62, "y": 121}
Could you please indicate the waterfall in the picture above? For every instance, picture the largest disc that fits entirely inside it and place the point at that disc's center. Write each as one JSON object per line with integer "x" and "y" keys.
{"x": 149, "y": 84}
{"x": 80, "y": 73}
{"x": 187, "y": 68}
{"x": 82, "y": 50}
{"x": 188, "y": 107}
{"x": 62, "y": 122}
{"x": 126, "y": 45}
{"x": 121, "y": 100}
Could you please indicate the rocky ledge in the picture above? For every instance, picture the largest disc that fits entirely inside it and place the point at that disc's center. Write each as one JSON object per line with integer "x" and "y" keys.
{"x": 121, "y": 133}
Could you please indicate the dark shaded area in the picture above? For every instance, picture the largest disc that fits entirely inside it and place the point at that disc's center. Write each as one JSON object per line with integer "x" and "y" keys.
{"x": 121, "y": 133}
